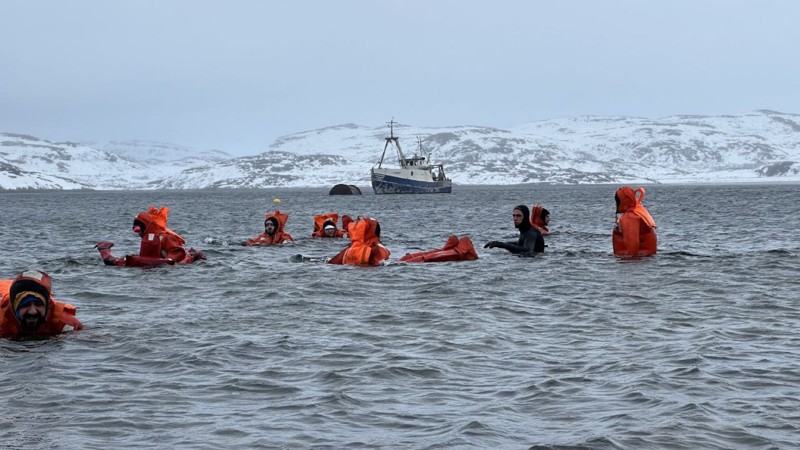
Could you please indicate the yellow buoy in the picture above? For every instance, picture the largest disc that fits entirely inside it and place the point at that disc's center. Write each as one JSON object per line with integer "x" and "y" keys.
{"x": 277, "y": 201}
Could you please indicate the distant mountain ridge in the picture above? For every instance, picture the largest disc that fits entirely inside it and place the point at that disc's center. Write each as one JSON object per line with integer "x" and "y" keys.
{"x": 154, "y": 152}
{"x": 759, "y": 146}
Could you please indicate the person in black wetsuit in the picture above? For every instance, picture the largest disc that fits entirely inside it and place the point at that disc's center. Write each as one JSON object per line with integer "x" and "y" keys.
{"x": 530, "y": 239}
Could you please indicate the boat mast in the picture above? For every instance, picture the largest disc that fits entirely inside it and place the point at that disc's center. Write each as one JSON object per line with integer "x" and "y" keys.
{"x": 392, "y": 139}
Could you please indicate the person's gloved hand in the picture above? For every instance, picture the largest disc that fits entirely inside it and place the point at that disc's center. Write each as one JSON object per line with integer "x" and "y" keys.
{"x": 104, "y": 245}
{"x": 491, "y": 244}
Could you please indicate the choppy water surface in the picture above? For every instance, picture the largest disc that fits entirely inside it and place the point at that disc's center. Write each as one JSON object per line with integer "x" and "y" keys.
{"x": 695, "y": 348}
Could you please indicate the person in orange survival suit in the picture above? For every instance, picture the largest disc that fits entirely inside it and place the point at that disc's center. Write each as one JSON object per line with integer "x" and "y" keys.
{"x": 635, "y": 230}
{"x": 325, "y": 225}
{"x": 365, "y": 244}
{"x": 454, "y": 249}
{"x": 27, "y": 308}
{"x": 273, "y": 231}
{"x": 540, "y": 219}
{"x": 159, "y": 244}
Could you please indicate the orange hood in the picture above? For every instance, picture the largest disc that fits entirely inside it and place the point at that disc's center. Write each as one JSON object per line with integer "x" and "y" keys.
{"x": 536, "y": 216}
{"x": 30, "y": 281}
{"x": 365, "y": 230}
{"x": 320, "y": 219}
{"x": 280, "y": 217}
{"x": 155, "y": 221}
{"x": 630, "y": 200}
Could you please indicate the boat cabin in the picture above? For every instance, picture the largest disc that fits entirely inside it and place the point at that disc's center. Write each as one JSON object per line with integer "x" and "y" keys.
{"x": 415, "y": 161}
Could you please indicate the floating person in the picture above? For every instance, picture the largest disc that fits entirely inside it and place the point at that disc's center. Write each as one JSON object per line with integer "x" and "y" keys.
{"x": 454, "y": 250}
{"x": 273, "y": 231}
{"x": 365, "y": 247}
{"x": 28, "y": 309}
{"x": 634, "y": 231}
{"x": 530, "y": 240}
{"x": 159, "y": 244}
{"x": 540, "y": 218}
{"x": 325, "y": 225}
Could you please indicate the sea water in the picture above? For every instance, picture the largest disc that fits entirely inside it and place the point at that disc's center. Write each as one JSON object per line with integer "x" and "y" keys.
{"x": 697, "y": 347}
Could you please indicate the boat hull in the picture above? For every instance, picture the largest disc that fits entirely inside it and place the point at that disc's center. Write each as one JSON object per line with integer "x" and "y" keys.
{"x": 389, "y": 184}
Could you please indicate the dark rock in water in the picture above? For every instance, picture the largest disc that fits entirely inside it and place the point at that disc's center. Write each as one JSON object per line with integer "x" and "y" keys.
{"x": 345, "y": 189}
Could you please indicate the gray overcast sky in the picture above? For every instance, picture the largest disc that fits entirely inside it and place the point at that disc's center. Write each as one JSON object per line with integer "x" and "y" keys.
{"x": 234, "y": 75}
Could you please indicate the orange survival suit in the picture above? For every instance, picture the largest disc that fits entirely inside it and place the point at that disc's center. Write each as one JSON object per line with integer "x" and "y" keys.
{"x": 365, "y": 247}
{"x": 278, "y": 237}
{"x": 635, "y": 230}
{"x": 37, "y": 283}
{"x": 537, "y": 218}
{"x": 454, "y": 250}
{"x": 323, "y": 220}
{"x": 159, "y": 244}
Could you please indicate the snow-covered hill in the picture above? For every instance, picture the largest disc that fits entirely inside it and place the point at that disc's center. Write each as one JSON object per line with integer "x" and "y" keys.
{"x": 27, "y": 162}
{"x": 759, "y": 146}
{"x": 154, "y": 152}
{"x": 685, "y": 148}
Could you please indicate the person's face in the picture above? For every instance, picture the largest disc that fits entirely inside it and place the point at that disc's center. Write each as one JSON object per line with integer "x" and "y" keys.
{"x": 517, "y": 215}
{"x": 32, "y": 314}
{"x": 138, "y": 229}
{"x": 329, "y": 232}
{"x": 269, "y": 228}
{"x": 547, "y": 219}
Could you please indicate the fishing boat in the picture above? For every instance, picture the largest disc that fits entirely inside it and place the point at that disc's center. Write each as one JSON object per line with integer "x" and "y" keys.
{"x": 416, "y": 175}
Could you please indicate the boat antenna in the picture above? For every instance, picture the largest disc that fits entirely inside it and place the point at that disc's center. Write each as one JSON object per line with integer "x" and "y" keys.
{"x": 424, "y": 151}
